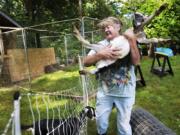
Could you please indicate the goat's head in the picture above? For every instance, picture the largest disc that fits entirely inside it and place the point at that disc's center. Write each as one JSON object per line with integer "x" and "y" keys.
{"x": 138, "y": 19}
{"x": 89, "y": 112}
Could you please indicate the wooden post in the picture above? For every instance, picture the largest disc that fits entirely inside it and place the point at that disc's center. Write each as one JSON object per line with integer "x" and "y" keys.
{"x": 1, "y": 52}
{"x": 17, "y": 121}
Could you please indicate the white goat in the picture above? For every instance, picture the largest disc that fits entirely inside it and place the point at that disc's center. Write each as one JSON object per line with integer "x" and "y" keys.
{"x": 119, "y": 42}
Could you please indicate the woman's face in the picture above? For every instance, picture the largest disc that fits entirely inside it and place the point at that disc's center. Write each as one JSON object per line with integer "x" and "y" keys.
{"x": 111, "y": 31}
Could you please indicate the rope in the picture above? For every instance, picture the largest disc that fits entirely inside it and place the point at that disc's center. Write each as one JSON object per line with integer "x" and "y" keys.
{"x": 63, "y": 123}
{"x": 8, "y": 124}
{"x": 44, "y": 30}
{"x": 84, "y": 83}
{"x": 45, "y": 93}
{"x": 68, "y": 20}
{"x": 53, "y": 114}
{"x": 69, "y": 34}
{"x": 47, "y": 111}
{"x": 57, "y": 127}
{"x": 32, "y": 113}
{"x": 11, "y": 28}
{"x": 62, "y": 93}
{"x": 39, "y": 116}
{"x": 58, "y": 110}
{"x": 48, "y": 101}
{"x": 13, "y": 127}
{"x": 15, "y": 30}
{"x": 26, "y": 55}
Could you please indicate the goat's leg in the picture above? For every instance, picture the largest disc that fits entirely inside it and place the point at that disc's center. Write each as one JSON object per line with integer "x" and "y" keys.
{"x": 84, "y": 42}
{"x": 151, "y": 17}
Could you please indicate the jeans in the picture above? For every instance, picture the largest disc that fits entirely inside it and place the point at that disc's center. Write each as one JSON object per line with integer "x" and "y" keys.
{"x": 104, "y": 107}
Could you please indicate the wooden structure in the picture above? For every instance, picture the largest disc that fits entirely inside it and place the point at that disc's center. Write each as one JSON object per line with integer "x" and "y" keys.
{"x": 138, "y": 72}
{"x": 17, "y": 61}
{"x": 139, "y": 76}
{"x": 6, "y": 42}
{"x": 161, "y": 70}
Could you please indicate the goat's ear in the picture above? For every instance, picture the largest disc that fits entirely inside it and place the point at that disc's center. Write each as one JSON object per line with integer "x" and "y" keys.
{"x": 86, "y": 109}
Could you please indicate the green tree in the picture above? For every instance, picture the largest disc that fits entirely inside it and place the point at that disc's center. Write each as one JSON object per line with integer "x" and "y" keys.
{"x": 97, "y": 9}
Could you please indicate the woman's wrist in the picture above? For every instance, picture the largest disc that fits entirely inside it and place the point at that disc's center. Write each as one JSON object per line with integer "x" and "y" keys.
{"x": 98, "y": 56}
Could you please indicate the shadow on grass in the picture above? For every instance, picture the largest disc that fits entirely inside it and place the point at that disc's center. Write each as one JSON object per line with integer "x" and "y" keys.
{"x": 60, "y": 80}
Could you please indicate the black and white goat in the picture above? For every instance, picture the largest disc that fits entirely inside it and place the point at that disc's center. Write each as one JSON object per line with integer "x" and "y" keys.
{"x": 69, "y": 126}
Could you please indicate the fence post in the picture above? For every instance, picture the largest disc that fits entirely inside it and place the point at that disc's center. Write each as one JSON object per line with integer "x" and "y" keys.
{"x": 1, "y": 52}
{"x": 66, "y": 49}
{"x": 84, "y": 83}
{"x": 17, "y": 127}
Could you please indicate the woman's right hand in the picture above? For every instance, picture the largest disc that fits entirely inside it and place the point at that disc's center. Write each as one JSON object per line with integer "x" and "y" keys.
{"x": 109, "y": 53}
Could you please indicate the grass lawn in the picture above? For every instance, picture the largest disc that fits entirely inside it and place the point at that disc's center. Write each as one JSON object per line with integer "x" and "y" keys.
{"x": 160, "y": 97}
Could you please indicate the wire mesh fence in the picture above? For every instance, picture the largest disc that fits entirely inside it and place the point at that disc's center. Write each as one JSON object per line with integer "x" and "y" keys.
{"x": 144, "y": 123}
{"x": 33, "y": 51}
{"x": 34, "y": 59}
{"x": 49, "y": 114}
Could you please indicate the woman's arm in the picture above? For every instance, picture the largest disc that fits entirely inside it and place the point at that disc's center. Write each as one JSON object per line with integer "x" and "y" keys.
{"x": 104, "y": 53}
{"x": 135, "y": 55}
{"x": 91, "y": 59}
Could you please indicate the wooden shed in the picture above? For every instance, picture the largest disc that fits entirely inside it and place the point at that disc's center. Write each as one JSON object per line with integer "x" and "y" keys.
{"x": 20, "y": 63}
